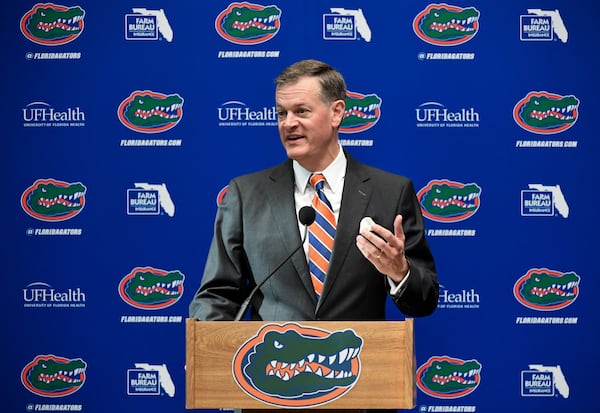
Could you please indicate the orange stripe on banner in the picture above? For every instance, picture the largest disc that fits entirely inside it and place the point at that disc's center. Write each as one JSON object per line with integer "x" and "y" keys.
{"x": 323, "y": 236}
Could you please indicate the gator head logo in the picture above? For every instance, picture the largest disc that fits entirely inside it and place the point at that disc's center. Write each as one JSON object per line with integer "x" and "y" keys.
{"x": 546, "y": 113}
{"x": 448, "y": 201}
{"x": 51, "y": 200}
{"x": 545, "y": 290}
{"x": 448, "y": 378}
{"x": 445, "y": 25}
{"x": 247, "y": 23}
{"x": 294, "y": 366}
{"x": 52, "y": 25}
{"x": 149, "y": 288}
{"x": 53, "y": 376}
{"x": 362, "y": 112}
{"x": 151, "y": 112}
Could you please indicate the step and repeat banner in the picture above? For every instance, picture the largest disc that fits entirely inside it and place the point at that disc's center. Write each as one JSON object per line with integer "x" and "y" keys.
{"x": 126, "y": 121}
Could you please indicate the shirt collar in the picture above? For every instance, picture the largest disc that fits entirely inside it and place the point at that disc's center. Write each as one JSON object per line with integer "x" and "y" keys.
{"x": 334, "y": 173}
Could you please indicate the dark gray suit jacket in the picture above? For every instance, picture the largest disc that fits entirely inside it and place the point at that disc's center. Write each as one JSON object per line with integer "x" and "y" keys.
{"x": 256, "y": 228}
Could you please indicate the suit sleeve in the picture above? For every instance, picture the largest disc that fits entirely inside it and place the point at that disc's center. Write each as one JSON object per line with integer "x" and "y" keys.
{"x": 223, "y": 286}
{"x": 419, "y": 295}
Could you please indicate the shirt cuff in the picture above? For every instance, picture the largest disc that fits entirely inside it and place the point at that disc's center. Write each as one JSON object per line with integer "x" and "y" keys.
{"x": 394, "y": 289}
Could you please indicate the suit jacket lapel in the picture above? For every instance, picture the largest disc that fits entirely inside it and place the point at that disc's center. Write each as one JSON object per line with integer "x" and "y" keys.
{"x": 355, "y": 198}
{"x": 281, "y": 199}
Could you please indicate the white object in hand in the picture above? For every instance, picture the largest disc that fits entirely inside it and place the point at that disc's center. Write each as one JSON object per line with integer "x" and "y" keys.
{"x": 365, "y": 224}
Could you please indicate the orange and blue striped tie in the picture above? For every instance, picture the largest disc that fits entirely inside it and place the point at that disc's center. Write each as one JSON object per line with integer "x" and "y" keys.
{"x": 320, "y": 235}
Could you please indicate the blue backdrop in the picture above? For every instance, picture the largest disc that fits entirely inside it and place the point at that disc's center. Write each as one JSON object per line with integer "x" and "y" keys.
{"x": 127, "y": 120}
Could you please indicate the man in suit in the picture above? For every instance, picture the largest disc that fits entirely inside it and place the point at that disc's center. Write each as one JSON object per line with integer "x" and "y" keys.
{"x": 257, "y": 224}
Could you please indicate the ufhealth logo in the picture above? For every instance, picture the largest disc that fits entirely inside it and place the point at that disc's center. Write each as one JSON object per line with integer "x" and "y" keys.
{"x": 146, "y": 111}
{"x": 436, "y": 115}
{"x": 42, "y": 114}
{"x": 237, "y": 113}
{"x": 52, "y": 200}
{"x": 146, "y": 24}
{"x": 149, "y": 199}
{"x": 149, "y": 288}
{"x": 541, "y": 25}
{"x": 345, "y": 24}
{"x": 449, "y": 201}
{"x": 543, "y": 201}
{"x": 294, "y": 366}
{"x": 544, "y": 381}
{"x": 54, "y": 376}
{"x": 445, "y": 25}
{"x": 149, "y": 380}
{"x": 542, "y": 289}
{"x": 51, "y": 24}
{"x": 362, "y": 112}
{"x": 248, "y": 24}
{"x": 447, "y": 377}
{"x": 43, "y": 295}
{"x": 546, "y": 113}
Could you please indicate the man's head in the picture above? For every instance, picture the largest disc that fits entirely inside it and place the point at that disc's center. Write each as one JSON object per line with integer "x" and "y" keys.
{"x": 310, "y": 100}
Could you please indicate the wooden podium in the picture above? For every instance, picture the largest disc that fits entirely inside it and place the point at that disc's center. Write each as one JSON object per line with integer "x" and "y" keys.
{"x": 385, "y": 365}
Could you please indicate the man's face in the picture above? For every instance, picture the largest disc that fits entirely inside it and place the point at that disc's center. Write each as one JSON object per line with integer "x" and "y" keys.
{"x": 307, "y": 125}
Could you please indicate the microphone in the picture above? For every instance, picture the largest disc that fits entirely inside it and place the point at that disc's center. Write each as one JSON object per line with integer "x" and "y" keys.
{"x": 306, "y": 215}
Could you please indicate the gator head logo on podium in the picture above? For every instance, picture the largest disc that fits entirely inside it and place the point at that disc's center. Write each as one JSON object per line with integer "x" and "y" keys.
{"x": 546, "y": 290}
{"x": 446, "y": 377}
{"x": 546, "y": 113}
{"x": 53, "y": 376}
{"x": 51, "y": 24}
{"x": 247, "y": 23}
{"x": 445, "y": 25}
{"x": 295, "y": 366}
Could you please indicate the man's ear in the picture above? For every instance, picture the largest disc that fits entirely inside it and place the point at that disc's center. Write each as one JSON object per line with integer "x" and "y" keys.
{"x": 338, "y": 107}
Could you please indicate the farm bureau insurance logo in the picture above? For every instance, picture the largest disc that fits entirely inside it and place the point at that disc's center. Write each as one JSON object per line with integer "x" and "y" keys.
{"x": 541, "y": 25}
{"x": 146, "y": 24}
{"x": 53, "y": 376}
{"x": 345, "y": 24}
{"x": 542, "y": 381}
{"x": 248, "y": 23}
{"x": 545, "y": 113}
{"x": 146, "y": 111}
{"x": 543, "y": 201}
{"x": 362, "y": 112}
{"x": 445, "y": 25}
{"x": 448, "y": 201}
{"x": 52, "y": 200}
{"x": 149, "y": 288}
{"x": 447, "y": 377}
{"x": 149, "y": 199}
{"x": 50, "y": 24}
{"x": 542, "y": 289}
{"x": 149, "y": 379}
{"x": 294, "y": 366}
